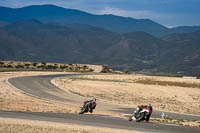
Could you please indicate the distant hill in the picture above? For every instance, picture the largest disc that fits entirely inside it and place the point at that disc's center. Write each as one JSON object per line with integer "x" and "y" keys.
{"x": 2, "y": 23}
{"x": 136, "y": 50}
{"x": 184, "y": 29}
{"x": 63, "y": 16}
{"x": 11, "y": 45}
{"x": 183, "y": 55}
{"x": 47, "y": 42}
{"x": 32, "y": 40}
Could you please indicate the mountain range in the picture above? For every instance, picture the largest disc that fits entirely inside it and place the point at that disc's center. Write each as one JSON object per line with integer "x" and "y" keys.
{"x": 28, "y": 34}
{"x": 63, "y": 16}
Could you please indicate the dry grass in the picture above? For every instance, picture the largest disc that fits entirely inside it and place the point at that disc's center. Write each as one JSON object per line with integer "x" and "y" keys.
{"x": 147, "y": 81}
{"x": 123, "y": 89}
{"x": 168, "y": 120}
{"x": 26, "y": 126}
{"x": 181, "y": 122}
{"x": 13, "y": 99}
{"x": 168, "y": 83}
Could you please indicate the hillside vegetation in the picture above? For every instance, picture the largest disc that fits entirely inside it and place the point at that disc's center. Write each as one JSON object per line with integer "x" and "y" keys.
{"x": 43, "y": 66}
{"x": 31, "y": 40}
{"x": 48, "y": 33}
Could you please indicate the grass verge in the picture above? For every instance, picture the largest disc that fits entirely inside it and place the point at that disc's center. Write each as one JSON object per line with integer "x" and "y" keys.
{"x": 181, "y": 122}
{"x": 167, "y": 120}
{"x": 144, "y": 81}
{"x": 168, "y": 83}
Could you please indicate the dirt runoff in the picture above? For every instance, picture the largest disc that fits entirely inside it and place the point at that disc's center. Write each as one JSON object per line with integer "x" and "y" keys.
{"x": 28, "y": 126}
{"x": 123, "y": 89}
{"x": 13, "y": 99}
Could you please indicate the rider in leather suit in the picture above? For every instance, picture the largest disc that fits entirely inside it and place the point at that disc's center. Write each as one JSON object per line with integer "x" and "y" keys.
{"x": 148, "y": 107}
{"x": 91, "y": 104}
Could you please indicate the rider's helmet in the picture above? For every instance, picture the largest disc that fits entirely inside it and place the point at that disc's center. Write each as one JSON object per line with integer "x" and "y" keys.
{"x": 94, "y": 101}
{"x": 149, "y": 107}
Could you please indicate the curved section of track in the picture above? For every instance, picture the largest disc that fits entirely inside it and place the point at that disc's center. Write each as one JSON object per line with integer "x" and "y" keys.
{"x": 40, "y": 86}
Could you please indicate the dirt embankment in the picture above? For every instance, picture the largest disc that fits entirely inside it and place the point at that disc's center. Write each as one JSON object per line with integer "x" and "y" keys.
{"x": 164, "y": 93}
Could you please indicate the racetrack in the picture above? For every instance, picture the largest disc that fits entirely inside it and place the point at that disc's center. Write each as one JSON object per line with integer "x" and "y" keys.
{"x": 40, "y": 86}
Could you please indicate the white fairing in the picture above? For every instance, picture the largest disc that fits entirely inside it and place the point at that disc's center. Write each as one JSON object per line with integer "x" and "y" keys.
{"x": 133, "y": 118}
{"x": 145, "y": 110}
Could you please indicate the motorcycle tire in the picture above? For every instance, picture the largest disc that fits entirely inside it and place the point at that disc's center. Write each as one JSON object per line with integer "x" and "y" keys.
{"x": 83, "y": 110}
{"x": 147, "y": 118}
{"x": 141, "y": 117}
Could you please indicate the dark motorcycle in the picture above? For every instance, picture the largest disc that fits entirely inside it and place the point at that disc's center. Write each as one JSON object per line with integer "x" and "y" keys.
{"x": 140, "y": 114}
{"x": 87, "y": 107}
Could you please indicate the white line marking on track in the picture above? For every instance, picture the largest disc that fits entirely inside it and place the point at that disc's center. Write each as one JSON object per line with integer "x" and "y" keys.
{"x": 170, "y": 124}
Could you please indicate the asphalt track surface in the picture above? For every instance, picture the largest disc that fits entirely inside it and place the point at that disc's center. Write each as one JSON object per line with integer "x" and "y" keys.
{"x": 41, "y": 87}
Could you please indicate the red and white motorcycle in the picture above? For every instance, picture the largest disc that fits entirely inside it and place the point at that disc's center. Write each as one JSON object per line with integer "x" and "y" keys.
{"x": 141, "y": 114}
{"x": 88, "y": 106}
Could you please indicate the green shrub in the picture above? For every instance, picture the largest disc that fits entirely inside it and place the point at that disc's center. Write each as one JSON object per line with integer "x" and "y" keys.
{"x": 105, "y": 69}
{"x": 126, "y": 71}
{"x": 1, "y": 63}
{"x": 35, "y": 64}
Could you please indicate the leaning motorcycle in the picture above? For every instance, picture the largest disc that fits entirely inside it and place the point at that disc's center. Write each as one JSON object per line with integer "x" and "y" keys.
{"x": 84, "y": 109}
{"x": 87, "y": 107}
{"x": 140, "y": 115}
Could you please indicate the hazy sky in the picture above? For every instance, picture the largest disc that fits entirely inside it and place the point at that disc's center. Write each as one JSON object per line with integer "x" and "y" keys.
{"x": 167, "y": 12}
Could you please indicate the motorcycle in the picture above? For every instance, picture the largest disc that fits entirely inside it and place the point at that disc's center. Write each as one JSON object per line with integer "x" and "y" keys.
{"x": 140, "y": 114}
{"x": 87, "y": 107}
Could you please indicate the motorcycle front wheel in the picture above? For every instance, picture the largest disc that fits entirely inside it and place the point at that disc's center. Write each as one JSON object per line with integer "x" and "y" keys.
{"x": 140, "y": 118}
{"x": 83, "y": 110}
